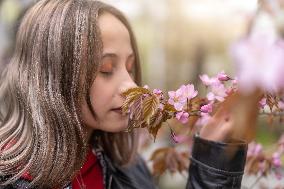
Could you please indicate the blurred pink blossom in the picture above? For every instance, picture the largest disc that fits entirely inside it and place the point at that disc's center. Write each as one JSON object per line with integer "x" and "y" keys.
{"x": 218, "y": 92}
{"x": 259, "y": 60}
{"x": 161, "y": 106}
{"x": 207, "y": 108}
{"x": 182, "y": 117}
{"x": 222, "y": 76}
{"x": 276, "y": 159}
{"x": 235, "y": 81}
{"x": 157, "y": 91}
{"x": 207, "y": 81}
{"x": 262, "y": 102}
{"x": 254, "y": 149}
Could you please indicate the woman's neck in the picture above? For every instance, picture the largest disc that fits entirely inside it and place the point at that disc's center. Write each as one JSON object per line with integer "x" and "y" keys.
{"x": 89, "y": 132}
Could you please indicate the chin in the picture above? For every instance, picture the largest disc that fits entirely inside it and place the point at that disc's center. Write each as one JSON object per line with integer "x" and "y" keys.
{"x": 118, "y": 129}
{"x": 113, "y": 128}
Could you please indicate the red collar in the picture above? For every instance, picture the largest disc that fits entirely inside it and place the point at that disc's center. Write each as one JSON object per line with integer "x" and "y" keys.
{"x": 90, "y": 162}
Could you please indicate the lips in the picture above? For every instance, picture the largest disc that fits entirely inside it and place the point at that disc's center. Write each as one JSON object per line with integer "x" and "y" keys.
{"x": 117, "y": 110}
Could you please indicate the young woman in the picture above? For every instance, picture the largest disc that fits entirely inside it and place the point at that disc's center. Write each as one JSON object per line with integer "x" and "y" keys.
{"x": 61, "y": 124}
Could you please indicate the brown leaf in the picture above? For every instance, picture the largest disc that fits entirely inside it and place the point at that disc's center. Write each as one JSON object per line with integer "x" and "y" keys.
{"x": 253, "y": 164}
{"x": 271, "y": 101}
{"x": 132, "y": 95}
{"x": 169, "y": 159}
{"x": 196, "y": 103}
{"x": 156, "y": 122}
{"x": 150, "y": 107}
{"x": 169, "y": 108}
{"x": 136, "y": 90}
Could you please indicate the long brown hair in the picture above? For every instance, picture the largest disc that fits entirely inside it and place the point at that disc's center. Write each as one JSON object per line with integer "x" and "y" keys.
{"x": 57, "y": 55}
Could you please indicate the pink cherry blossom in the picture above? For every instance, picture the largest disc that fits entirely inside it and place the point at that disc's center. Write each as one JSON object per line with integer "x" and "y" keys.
{"x": 182, "y": 117}
{"x": 218, "y": 92}
{"x": 235, "y": 81}
{"x": 188, "y": 91}
{"x": 207, "y": 108}
{"x": 157, "y": 92}
{"x": 177, "y": 99}
{"x": 276, "y": 159}
{"x": 262, "y": 102}
{"x": 161, "y": 106}
{"x": 223, "y": 77}
{"x": 254, "y": 149}
{"x": 207, "y": 81}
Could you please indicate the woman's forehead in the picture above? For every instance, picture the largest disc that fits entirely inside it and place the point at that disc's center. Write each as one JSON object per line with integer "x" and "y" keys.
{"x": 112, "y": 28}
{"x": 114, "y": 33}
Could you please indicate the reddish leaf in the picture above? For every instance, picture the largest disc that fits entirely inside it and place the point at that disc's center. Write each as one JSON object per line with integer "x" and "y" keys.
{"x": 169, "y": 159}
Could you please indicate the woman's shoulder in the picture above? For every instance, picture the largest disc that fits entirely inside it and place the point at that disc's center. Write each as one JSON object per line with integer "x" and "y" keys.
{"x": 140, "y": 174}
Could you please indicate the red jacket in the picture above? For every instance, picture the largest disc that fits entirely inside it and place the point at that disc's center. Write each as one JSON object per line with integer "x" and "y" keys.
{"x": 90, "y": 174}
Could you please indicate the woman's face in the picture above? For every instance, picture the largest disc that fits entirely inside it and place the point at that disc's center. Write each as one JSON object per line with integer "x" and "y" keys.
{"x": 114, "y": 77}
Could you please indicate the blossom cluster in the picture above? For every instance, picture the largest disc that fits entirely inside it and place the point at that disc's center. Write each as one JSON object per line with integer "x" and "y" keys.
{"x": 259, "y": 61}
{"x": 261, "y": 163}
{"x": 185, "y": 103}
{"x": 181, "y": 99}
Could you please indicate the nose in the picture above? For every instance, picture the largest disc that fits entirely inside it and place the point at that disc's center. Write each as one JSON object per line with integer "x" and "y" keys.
{"x": 126, "y": 84}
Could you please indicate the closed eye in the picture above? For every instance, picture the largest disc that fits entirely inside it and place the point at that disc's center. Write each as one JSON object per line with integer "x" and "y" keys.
{"x": 130, "y": 64}
{"x": 107, "y": 66}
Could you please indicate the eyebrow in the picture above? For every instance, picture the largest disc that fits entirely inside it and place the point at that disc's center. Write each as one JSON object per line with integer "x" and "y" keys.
{"x": 115, "y": 55}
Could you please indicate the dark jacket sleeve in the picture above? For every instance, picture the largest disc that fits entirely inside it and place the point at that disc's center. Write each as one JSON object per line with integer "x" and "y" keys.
{"x": 216, "y": 165}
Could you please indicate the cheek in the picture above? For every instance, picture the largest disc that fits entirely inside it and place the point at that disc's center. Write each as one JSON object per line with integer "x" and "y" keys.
{"x": 87, "y": 116}
{"x": 101, "y": 99}
{"x": 99, "y": 103}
